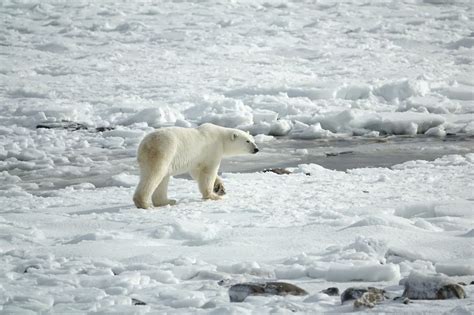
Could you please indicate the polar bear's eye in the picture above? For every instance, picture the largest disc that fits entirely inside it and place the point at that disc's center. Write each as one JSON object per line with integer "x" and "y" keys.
{"x": 248, "y": 141}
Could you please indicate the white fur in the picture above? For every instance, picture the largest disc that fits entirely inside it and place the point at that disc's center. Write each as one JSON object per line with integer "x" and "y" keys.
{"x": 197, "y": 151}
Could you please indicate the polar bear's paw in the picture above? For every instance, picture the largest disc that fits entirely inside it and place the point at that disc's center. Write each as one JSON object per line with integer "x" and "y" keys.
{"x": 166, "y": 202}
{"x": 219, "y": 188}
{"x": 141, "y": 203}
{"x": 212, "y": 196}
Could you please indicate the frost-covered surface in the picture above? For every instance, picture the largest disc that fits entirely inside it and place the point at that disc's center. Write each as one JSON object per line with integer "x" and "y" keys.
{"x": 89, "y": 249}
{"x": 69, "y": 236}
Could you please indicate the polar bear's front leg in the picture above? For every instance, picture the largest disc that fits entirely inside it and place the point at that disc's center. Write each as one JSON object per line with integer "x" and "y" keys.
{"x": 160, "y": 195}
{"x": 206, "y": 177}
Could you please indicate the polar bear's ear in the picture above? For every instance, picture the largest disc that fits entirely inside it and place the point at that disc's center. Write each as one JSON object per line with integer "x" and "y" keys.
{"x": 234, "y": 136}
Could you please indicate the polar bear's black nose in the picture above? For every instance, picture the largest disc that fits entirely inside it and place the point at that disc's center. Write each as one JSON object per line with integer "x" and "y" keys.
{"x": 255, "y": 150}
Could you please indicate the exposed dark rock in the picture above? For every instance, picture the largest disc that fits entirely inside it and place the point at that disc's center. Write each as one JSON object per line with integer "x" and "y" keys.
{"x": 137, "y": 302}
{"x": 69, "y": 125}
{"x": 355, "y": 293}
{"x": 63, "y": 124}
{"x": 102, "y": 129}
{"x": 238, "y": 292}
{"x": 472, "y": 283}
{"x": 419, "y": 286}
{"x": 450, "y": 291}
{"x": 279, "y": 171}
{"x": 32, "y": 267}
{"x": 332, "y": 291}
{"x": 462, "y": 283}
{"x": 370, "y": 298}
{"x": 338, "y": 153}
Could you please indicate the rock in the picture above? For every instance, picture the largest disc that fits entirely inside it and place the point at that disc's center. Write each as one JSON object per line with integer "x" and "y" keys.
{"x": 69, "y": 125}
{"x": 450, "y": 291}
{"x": 137, "y": 302}
{"x": 472, "y": 283}
{"x": 102, "y": 129}
{"x": 356, "y": 293}
{"x": 370, "y": 298}
{"x": 238, "y": 292}
{"x": 279, "y": 171}
{"x": 338, "y": 153}
{"x": 63, "y": 124}
{"x": 332, "y": 291}
{"x": 420, "y": 286}
{"x": 462, "y": 283}
{"x": 30, "y": 268}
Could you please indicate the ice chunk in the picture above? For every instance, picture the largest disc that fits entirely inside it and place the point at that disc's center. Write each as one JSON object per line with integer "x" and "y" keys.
{"x": 263, "y": 138}
{"x": 290, "y": 272}
{"x": 402, "y": 89}
{"x": 221, "y": 111}
{"x": 461, "y": 92}
{"x": 354, "y": 92}
{"x": 460, "y": 268}
{"x": 155, "y": 116}
{"x": 368, "y": 272}
{"x": 281, "y": 127}
{"x": 304, "y": 131}
{"x": 436, "y": 132}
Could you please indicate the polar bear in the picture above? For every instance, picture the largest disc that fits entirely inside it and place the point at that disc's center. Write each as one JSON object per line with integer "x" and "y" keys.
{"x": 197, "y": 151}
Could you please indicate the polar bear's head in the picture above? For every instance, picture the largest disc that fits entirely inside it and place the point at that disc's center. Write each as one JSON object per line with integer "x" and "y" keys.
{"x": 240, "y": 142}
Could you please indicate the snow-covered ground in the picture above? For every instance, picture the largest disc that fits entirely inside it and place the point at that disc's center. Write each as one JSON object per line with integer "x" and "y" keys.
{"x": 316, "y": 72}
{"x": 81, "y": 248}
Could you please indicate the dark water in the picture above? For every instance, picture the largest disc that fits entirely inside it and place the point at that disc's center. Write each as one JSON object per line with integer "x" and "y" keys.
{"x": 348, "y": 153}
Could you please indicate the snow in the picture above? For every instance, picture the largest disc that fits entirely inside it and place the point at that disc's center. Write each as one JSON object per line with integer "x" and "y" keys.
{"x": 85, "y": 251}
{"x": 102, "y": 74}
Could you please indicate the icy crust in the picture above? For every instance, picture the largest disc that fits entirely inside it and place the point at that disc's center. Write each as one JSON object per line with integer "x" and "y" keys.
{"x": 87, "y": 249}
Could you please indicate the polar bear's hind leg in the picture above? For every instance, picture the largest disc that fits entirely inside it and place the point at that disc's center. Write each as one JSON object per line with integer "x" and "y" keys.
{"x": 160, "y": 195}
{"x": 151, "y": 176}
